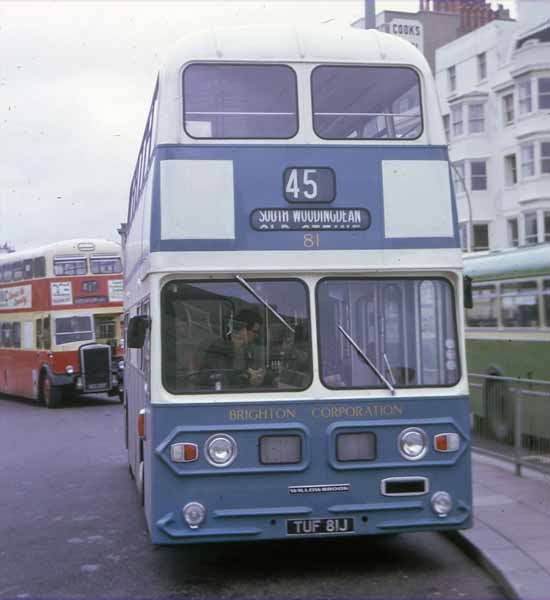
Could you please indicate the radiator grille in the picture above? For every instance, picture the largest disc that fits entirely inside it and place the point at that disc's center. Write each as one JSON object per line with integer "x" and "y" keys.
{"x": 96, "y": 367}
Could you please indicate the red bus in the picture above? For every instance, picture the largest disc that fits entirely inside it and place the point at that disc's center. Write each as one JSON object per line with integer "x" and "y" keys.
{"x": 60, "y": 321}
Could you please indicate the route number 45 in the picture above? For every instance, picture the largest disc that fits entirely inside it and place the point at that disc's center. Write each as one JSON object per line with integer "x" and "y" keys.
{"x": 306, "y": 188}
{"x": 309, "y": 184}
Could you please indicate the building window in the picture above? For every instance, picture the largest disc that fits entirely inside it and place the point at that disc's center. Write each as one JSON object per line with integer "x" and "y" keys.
{"x": 544, "y": 92}
{"x": 531, "y": 228}
{"x": 451, "y": 78}
{"x": 447, "y": 126}
{"x": 525, "y": 100}
{"x": 547, "y": 229}
{"x": 478, "y": 175}
{"x": 510, "y": 170}
{"x": 508, "y": 108}
{"x": 476, "y": 118}
{"x": 528, "y": 160}
{"x": 513, "y": 237}
{"x": 458, "y": 176}
{"x": 481, "y": 237}
{"x": 456, "y": 117}
{"x": 545, "y": 157}
{"x": 482, "y": 66}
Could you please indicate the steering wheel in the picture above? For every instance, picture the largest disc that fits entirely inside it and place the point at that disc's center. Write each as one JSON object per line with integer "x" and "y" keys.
{"x": 209, "y": 377}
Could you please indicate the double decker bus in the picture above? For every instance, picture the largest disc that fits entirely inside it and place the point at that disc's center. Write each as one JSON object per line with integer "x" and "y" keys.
{"x": 294, "y": 293}
{"x": 60, "y": 321}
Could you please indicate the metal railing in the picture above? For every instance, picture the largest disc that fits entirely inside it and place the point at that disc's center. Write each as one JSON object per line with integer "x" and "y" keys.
{"x": 511, "y": 420}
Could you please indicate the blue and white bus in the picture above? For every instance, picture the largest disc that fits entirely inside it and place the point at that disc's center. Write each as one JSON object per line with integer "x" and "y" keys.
{"x": 293, "y": 293}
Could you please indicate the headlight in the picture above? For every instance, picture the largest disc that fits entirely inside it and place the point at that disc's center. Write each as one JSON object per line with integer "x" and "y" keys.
{"x": 442, "y": 503}
{"x": 413, "y": 443}
{"x": 221, "y": 450}
{"x": 120, "y": 365}
{"x": 69, "y": 369}
{"x": 194, "y": 514}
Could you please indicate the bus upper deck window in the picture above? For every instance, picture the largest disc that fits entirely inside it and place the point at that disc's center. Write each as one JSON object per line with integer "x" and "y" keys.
{"x": 367, "y": 103}
{"x": 102, "y": 265}
{"x": 69, "y": 265}
{"x": 27, "y": 269}
{"x": 223, "y": 101}
{"x": 39, "y": 266}
{"x": 18, "y": 271}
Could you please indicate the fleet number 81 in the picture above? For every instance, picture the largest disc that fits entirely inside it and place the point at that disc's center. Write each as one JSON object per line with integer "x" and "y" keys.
{"x": 312, "y": 240}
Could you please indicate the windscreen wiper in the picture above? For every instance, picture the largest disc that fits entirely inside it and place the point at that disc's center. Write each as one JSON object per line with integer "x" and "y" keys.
{"x": 367, "y": 359}
{"x": 388, "y": 366}
{"x": 245, "y": 284}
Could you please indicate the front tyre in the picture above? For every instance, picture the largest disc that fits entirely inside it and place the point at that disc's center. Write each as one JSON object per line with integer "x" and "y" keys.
{"x": 51, "y": 395}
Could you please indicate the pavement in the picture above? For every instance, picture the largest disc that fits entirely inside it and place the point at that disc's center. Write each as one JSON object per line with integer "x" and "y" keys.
{"x": 511, "y": 533}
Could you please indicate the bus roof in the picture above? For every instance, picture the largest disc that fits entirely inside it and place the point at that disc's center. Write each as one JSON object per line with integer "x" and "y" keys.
{"x": 514, "y": 262}
{"x": 64, "y": 247}
{"x": 285, "y": 43}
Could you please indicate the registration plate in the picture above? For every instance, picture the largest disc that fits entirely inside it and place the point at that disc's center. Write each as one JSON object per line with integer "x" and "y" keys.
{"x": 317, "y": 526}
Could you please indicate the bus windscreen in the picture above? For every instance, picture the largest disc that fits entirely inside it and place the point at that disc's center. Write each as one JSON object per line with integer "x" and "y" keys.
{"x": 405, "y": 327}
{"x": 73, "y": 329}
{"x": 225, "y": 337}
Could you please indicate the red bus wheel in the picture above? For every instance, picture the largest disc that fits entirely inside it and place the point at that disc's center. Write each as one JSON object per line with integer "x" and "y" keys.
{"x": 51, "y": 394}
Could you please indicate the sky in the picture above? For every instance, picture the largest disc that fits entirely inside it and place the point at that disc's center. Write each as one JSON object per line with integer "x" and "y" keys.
{"x": 76, "y": 80}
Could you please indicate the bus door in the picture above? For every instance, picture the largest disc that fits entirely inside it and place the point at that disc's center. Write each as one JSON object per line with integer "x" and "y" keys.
{"x": 43, "y": 347}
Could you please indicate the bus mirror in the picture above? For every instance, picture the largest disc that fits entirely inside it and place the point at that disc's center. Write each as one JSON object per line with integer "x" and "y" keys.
{"x": 468, "y": 298}
{"x": 137, "y": 329}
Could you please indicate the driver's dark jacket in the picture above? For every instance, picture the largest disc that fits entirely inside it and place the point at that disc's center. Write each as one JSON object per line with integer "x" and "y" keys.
{"x": 225, "y": 365}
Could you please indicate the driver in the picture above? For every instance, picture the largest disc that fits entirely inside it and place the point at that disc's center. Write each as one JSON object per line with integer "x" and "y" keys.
{"x": 233, "y": 357}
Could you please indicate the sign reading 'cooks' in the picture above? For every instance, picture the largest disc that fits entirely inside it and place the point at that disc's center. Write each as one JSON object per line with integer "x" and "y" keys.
{"x": 412, "y": 31}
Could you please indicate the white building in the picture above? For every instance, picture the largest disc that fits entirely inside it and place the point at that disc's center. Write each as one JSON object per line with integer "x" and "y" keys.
{"x": 494, "y": 87}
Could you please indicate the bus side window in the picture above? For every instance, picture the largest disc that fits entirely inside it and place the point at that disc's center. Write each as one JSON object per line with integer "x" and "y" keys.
{"x": 6, "y": 335}
{"x": 39, "y": 334}
{"x": 123, "y": 330}
{"x": 8, "y": 271}
{"x": 146, "y": 350}
{"x": 47, "y": 338}
{"x": 27, "y": 269}
{"x": 39, "y": 267}
{"x": 16, "y": 334}
{"x": 18, "y": 271}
